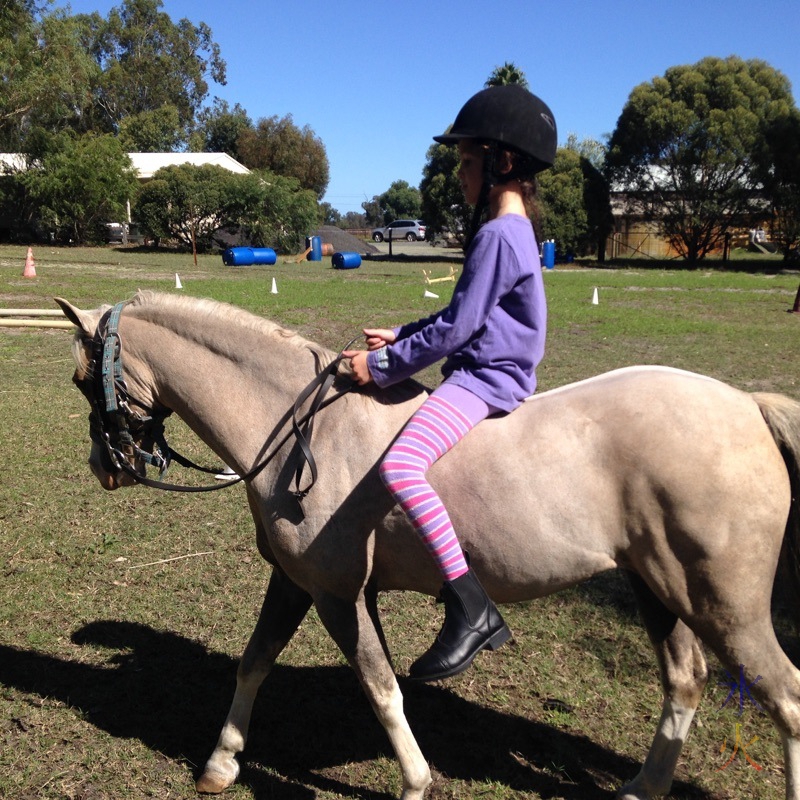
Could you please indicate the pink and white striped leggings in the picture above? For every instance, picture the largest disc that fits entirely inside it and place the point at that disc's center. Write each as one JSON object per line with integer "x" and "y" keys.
{"x": 436, "y": 427}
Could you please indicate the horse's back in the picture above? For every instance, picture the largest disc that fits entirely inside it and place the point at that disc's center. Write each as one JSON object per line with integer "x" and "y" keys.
{"x": 602, "y": 472}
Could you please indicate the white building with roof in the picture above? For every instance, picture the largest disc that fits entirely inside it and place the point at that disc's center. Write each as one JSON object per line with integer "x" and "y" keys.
{"x": 147, "y": 164}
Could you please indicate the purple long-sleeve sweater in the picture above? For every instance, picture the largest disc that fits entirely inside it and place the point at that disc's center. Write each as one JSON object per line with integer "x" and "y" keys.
{"x": 492, "y": 333}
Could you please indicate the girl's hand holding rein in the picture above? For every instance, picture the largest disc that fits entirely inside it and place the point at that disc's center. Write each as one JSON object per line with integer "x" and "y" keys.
{"x": 378, "y": 337}
{"x": 358, "y": 363}
{"x": 375, "y": 338}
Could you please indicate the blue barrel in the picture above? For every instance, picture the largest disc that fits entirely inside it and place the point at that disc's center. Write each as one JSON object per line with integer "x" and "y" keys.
{"x": 549, "y": 254}
{"x": 245, "y": 256}
{"x": 264, "y": 255}
{"x": 315, "y": 243}
{"x": 346, "y": 260}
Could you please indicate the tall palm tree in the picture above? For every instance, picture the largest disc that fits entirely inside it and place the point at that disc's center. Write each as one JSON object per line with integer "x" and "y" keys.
{"x": 508, "y": 73}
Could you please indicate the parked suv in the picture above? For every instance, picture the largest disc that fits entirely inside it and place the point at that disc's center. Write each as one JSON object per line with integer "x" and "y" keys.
{"x": 409, "y": 229}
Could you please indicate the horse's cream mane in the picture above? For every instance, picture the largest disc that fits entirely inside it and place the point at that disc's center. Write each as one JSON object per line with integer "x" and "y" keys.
{"x": 161, "y": 307}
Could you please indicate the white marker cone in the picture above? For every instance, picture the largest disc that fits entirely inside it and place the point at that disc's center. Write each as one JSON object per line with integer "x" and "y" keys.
{"x": 595, "y": 299}
{"x": 429, "y": 294}
{"x": 178, "y": 284}
{"x": 274, "y": 287}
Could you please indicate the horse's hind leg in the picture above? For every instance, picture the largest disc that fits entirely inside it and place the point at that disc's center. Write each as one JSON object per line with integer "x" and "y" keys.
{"x": 751, "y": 653}
{"x": 284, "y": 608}
{"x": 355, "y": 627}
{"x": 683, "y": 678}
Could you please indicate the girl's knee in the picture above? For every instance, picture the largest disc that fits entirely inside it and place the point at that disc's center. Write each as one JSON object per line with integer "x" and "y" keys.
{"x": 391, "y": 471}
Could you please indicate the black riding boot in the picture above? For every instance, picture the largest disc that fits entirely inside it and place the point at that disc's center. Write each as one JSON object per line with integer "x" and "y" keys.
{"x": 471, "y": 623}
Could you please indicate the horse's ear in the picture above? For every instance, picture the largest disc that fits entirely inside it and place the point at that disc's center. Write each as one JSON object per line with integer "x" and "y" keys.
{"x": 84, "y": 320}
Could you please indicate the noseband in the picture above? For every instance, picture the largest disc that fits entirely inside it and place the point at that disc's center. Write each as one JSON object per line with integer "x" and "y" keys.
{"x": 116, "y": 426}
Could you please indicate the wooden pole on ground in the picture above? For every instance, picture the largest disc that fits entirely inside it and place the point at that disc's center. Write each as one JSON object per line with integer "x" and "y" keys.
{"x": 31, "y": 312}
{"x": 6, "y": 322}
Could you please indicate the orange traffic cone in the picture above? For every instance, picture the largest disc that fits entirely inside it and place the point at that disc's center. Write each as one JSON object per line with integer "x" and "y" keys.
{"x": 30, "y": 267}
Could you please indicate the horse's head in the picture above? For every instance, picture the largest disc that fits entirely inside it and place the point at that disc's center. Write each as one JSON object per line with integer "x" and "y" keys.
{"x": 125, "y": 432}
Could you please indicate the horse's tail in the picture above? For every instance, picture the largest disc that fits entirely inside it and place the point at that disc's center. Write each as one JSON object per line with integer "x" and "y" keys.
{"x": 782, "y": 415}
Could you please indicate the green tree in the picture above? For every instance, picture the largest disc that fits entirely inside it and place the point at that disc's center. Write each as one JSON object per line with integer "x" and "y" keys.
{"x": 45, "y": 72}
{"x": 191, "y": 204}
{"x": 373, "y": 213}
{"x": 219, "y": 128}
{"x": 147, "y": 62}
{"x": 353, "y": 220}
{"x": 278, "y": 145}
{"x": 574, "y": 204}
{"x": 686, "y": 146}
{"x": 574, "y": 199}
{"x": 281, "y": 214}
{"x": 780, "y": 176}
{"x": 330, "y": 215}
{"x": 157, "y": 131}
{"x": 78, "y": 184}
{"x": 400, "y": 201}
{"x": 505, "y": 75}
{"x": 187, "y": 203}
{"x": 562, "y": 210}
{"x": 443, "y": 206}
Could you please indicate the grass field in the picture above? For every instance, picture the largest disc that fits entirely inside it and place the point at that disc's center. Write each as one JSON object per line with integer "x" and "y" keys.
{"x": 116, "y": 671}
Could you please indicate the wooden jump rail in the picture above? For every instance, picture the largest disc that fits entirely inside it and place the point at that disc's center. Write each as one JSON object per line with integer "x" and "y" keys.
{"x": 450, "y": 277}
{"x": 33, "y": 318}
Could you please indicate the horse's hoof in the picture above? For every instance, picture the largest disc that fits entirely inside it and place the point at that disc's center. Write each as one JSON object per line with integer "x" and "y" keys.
{"x": 632, "y": 791}
{"x": 213, "y": 782}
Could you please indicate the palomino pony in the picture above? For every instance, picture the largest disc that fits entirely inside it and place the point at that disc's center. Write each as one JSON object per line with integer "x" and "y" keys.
{"x": 689, "y": 485}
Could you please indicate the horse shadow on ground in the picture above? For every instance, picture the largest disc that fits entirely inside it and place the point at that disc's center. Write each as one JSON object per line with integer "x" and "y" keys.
{"x": 172, "y": 694}
{"x": 612, "y": 591}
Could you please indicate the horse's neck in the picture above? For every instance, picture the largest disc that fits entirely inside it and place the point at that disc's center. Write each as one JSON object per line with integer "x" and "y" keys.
{"x": 231, "y": 398}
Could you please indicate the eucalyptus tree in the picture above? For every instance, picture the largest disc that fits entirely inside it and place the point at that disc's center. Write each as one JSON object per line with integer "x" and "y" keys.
{"x": 278, "y": 145}
{"x": 148, "y": 62}
{"x": 45, "y": 72}
{"x": 686, "y": 148}
{"x": 219, "y": 127}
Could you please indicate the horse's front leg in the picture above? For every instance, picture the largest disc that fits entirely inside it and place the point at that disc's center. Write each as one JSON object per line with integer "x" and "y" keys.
{"x": 683, "y": 676}
{"x": 355, "y": 627}
{"x": 283, "y": 610}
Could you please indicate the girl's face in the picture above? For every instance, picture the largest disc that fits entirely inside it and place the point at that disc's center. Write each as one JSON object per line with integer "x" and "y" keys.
{"x": 470, "y": 171}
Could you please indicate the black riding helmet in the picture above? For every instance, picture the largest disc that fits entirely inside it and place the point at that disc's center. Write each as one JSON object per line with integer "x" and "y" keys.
{"x": 507, "y": 117}
{"x": 510, "y": 116}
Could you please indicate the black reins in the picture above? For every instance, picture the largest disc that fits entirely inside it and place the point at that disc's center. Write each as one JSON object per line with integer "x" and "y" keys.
{"x": 114, "y": 424}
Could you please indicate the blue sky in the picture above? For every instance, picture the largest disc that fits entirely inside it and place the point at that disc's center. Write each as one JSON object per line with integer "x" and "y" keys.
{"x": 375, "y": 81}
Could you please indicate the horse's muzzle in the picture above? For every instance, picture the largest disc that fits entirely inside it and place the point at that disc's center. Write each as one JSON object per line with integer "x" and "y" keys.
{"x": 107, "y": 474}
